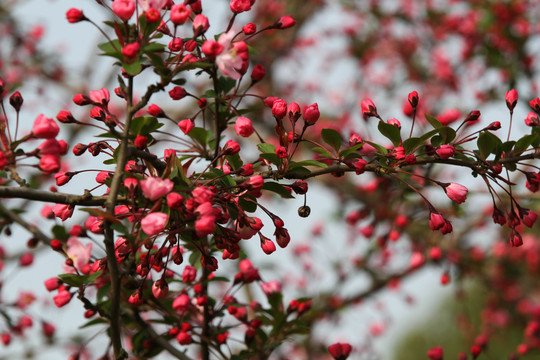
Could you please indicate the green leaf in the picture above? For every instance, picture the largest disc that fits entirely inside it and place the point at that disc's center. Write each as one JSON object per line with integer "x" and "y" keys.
{"x": 391, "y": 132}
{"x": 153, "y": 47}
{"x": 488, "y": 144}
{"x": 322, "y": 152}
{"x": 278, "y": 189}
{"x": 410, "y": 145}
{"x": 97, "y": 321}
{"x": 332, "y": 138}
{"x": 72, "y": 279}
{"x": 234, "y": 161}
{"x": 380, "y": 149}
{"x": 267, "y": 148}
{"x": 447, "y": 134}
{"x": 200, "y": 135}
{"x": 297, "y": 171}
{"x": 109, "y": 49}
{"x": 433, "y": 121}
{"x": 316, "y": 163}
{"x": 225, "y": 84}
{"x": 524, "y": 143}
{"x": 144, "y": 125}
{"x": 248, "y": 205}
{"x": 132, "y": 69}
{"x": 350, "y": 152}
{"x": 273, "y": 158}
{"x": 60, "y": 233}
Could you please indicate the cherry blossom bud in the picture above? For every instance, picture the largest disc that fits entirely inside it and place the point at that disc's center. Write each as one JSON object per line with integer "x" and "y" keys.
{"x": 62, "y": 211}
{"x": 279, "y": 108}
{"x": 200, "y": 24}
{"x": 81, "y": 99}
{"x": 395, "y": 122}
{"x": 446, "y": 228}
{"x": 196, "y": 6}
{"x": 52, "y": 283}
{"x": 140, "y": 141}
{"x": 75, "y": 15}
{"x": 445, "y": 279}
{"x": 448, "y": 116}
{"x": 269, "y": 101}
{"x": 311, "y": 114}
{"x": 206, "y": 225}
{"x": 130, "y": 51}
{"x": 103, "y": 176}
{"x": 174, "y": 200}
{"x": 56, "y": 245}
{"x": 184, "y": 338}
{"x": 285, "y": 22}
{"x": 212, "y": 48}
{"x": 436, "y": 221}
{"x": 445, "y": 151}
{"x": 179, "y": 14}
{"x": 136, "y": 298}
{"x": 494, "y": 126}
{"x": 529, "y": 217}
{"x": 456, "y": 192}
{"x": 160, "y": 289}
{"x": 49, "y": 163}
{"x": 413, "y": 99}
{"x": 177, "y": 93}
{"x": 26, "y": 259}
{"x": 44, "y": 127}
{"x": 5, "y": 338}
{"x": 473, "y": 116}
{"x": 62, "y": 298}
{"x": 124, "y": 9}
{"x": 249, "y": 28}
{"x": 267, "y": 246}
{"x": 186, "y": 125}
{"x": 368, "y": 108}
{"x": 152, "y": 15}
{"x": 239, "y": 6}
{"x": 156, "y": 111}
{"x": 340, "y": 351}
{"x": 176, "y": 44}
{"x": 154, "y": 223}
{"x": 436, "y": 353}
{"x": 511, "y": 99}
{"x": 100, "y": 97}
{"x": 300, "y": 187}
{"x": 48, "y": 329}
{"x": 231, "y": 147}
{"x": 62, "y": 178}
{"x": 532, "y": 120}
{"x": 258, "y": 73}
{"x": 535, "y": 104}
{"x": 65, "y": 117}
{"x": 360, "y": 166}
{"x": 243, "y": 126}
{"x": 16, "y": 100}
{"x": 281, "y": 152}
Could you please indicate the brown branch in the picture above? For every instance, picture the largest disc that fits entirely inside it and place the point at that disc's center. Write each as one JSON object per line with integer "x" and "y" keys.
{"x": 31, "y": 228}
{"x": 55, "y": 197}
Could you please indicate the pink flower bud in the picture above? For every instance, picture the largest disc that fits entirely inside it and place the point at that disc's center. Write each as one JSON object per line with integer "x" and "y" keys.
{"x": 532, "y": 120}
{"x": 212, "y": 48}
{"x": 176, "y": 44}
{"x": 177, "y": 93}
{"x": 52, "y": 284}
{"x": 311, "y": 114}
{"x": 456, "y": 192}
{"x": 413, "y": 99}
{"x": 279, "y": 108}
{"x": 136, "y": 298}
{"x": 160, "y": 289}
{"x": 62, "y": 298}
{"x": 124, "y": 9}
{"x": 181, "y": 303}
{"x": 436, "y": 353}
{"x": 74, "y": 16}
{"x": 81, "y": 100}
{"x": 62, "y": 211}
{"x": 535, "y": 104}
{"x": 340, "y": 351}
{"x": 239, "y": 6}
{"x": 268, "y": 246}
{"x": 200, "y": 24}
{"x": 231, "y": 147}
{"x": 186, "y": 125}
{"x": 155, "y": 110}
{"x": 249, "y": 28}
{"x": 448, "y": 116}
{"x": 445, "y": 151}
{"x": 281, "y": 152}
{"x": 243, "y": 126}
{"x": 62, "y": 178}
{"x": 100, "y": 97}
{"x": 140, "y": 141}
{"x": 436, "y": 221}
{"x": 179, "y": 14}
{"x": 49, "y": 163}
{"x": 65, "y": 117}
{"x": 394, "y": 122}
{"x": 511, "y": 99}
{"x": 258, "y": 73}
{"x": 44, "y": 127}
{"x": 26, "y": 259}
{"x": 16, "y": 100}
{"x": 285, "y": 22}
{"x": 360, "y": 166}
{"x": 130, "y": 51}
{"x": 154, "y": 223}
{"x": 368, "y": 108}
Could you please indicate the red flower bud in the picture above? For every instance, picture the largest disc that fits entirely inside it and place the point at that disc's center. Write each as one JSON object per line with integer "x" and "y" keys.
{"x": 511, "y": 99}
{"x": 249, "y": 28}
{"x": 75, "y": 15}
{"x": 285, "y": 22}
{"x": 16, "y": 101}
{"x": 413, "y": 99}
{"x": 258, "y": 73}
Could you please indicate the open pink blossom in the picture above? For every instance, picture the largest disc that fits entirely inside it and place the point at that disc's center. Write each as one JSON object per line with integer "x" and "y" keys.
{"x": 271, "y": 287}
{"x": 62, "y": 211}
{"x": 234, "y": 58}
{"x": 154, "y": 223}
{"x": 79, "y": 253}
{"x": 151, "y": 4}
{"x": 155, "y": 187}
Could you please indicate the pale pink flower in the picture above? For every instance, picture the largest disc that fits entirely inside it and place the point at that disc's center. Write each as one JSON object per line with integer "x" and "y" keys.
{"x": 62, "y": 211}
{"x": 100, "y": 97}
{"x": 151, "y": 4}
{"x": 233, "y": 58}
{"x": 155, "y": 187}
{"x": 79, "y": 253}
{"x": 456, "y": 192}
{"x": 154, "y": 223}
{"x": 271, "y": 287}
